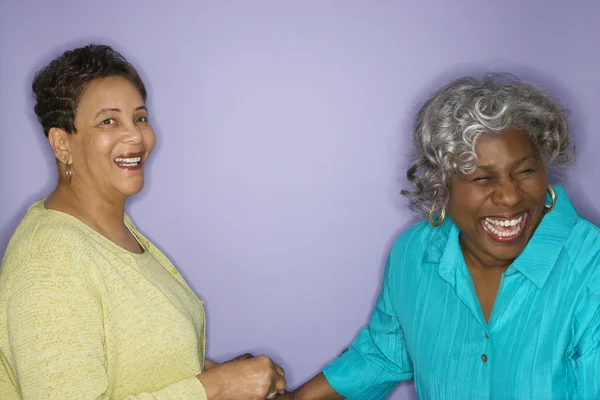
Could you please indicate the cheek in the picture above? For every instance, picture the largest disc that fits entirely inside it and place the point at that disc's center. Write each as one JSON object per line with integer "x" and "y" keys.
{"x": 537, "y": 189}
{"x": 149, "y": 139}
{"x": 465, "y": 204}
{"x": 540, "y": 196}
{"x": 92, "y": 152}
{"x": 99, "y": 146}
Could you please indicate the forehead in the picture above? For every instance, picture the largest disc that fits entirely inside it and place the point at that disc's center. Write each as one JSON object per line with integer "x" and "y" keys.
{"x": 504, "y": 148}
{"x": 113, "y": 91}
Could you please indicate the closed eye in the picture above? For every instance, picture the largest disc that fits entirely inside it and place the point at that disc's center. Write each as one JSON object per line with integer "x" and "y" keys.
{"x": 526, "y": 171}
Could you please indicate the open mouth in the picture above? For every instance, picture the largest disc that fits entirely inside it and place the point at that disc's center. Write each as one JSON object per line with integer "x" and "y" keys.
{"x": 129, "y": 161}
{"x": 505, "y": 229}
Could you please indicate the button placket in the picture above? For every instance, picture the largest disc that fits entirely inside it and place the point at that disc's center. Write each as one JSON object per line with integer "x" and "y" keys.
{"x": 486, "y": 347}
{"x": 483, "y": 371}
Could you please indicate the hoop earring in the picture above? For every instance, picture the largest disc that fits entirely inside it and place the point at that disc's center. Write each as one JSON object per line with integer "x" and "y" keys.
{"x": 549, "y": 208}
{"x": 69, "y": 173}
{"x": 432, "y": 221}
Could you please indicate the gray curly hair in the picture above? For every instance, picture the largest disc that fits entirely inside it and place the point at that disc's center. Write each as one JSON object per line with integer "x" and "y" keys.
{"x": 448, "y": 125}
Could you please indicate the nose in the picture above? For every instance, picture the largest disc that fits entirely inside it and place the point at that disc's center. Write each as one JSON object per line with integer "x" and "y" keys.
{"x": 133, "y": 134}
{"x": 507, "y": 194}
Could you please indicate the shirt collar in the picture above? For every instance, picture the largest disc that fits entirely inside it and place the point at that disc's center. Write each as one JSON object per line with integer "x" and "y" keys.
{"x": 537, "y": 259}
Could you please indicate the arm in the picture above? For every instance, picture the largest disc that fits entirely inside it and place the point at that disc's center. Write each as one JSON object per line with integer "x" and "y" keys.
{"x": 316, "y": 388}
{"x": 208, "y": 364}
{"x": 375, "y": 362}
{"x": 56, "y": 332}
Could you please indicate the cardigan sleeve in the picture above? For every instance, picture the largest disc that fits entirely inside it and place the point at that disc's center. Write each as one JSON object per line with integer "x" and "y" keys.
{"x": 56, "y": 338}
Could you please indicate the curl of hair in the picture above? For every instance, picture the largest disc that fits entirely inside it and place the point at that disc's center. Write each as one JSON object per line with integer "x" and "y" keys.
{"x": 448, "y": 125}
{"x": 58, "y": 87}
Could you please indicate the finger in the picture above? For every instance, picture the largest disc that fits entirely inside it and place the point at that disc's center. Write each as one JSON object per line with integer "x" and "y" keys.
{"x": 279, "y": 370}
{"x": 285, "y": 396}
{"x": 280, "y": 385}
{"x": 273, "y": 392}
{"x": 243, "y": 357}
{"x": 271, "y": 395}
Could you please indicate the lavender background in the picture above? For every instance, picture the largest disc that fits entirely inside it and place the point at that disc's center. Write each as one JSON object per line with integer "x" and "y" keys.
{"x": 283, "y": 138}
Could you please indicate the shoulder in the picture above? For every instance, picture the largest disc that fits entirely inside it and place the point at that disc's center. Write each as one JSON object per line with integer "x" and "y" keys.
{"x": 411, "y": 252}
{"x": 43, "y": 238}
{"x": 416, "y": 234}
{"x": 419, "y": 238}
{"x": 414, "y": 247}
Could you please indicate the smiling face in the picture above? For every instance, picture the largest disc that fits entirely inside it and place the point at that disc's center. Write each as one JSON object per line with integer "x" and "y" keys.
{"x": 113, "y": 141}
{"x": 498, "y": 207}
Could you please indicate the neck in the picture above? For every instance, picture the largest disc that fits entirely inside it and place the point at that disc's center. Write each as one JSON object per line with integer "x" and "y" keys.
{"x": 481, "y": 261}
{"x": 88, "y": 205}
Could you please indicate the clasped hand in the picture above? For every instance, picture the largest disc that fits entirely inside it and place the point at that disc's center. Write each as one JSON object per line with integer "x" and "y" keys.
{"x": 245, "y": 378}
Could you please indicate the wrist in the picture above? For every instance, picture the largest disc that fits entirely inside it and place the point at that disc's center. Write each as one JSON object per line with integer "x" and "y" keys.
{"x": 209, "y": 364}
{"x": 211, "y": 385}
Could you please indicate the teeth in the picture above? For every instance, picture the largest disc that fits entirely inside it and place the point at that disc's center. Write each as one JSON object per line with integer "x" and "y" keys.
{"x": 496, "y": 232}
{"x": 504, "y": 222}
{"x": 134, "y": 160}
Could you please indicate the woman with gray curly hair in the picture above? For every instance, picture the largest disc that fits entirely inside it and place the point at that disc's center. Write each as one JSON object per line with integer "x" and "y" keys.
{"x": 497, "y": 295}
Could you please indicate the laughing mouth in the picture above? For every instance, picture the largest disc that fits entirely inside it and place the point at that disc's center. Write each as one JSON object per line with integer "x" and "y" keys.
{"x": 128, "y": 162}
{"x": 505, "y": 229}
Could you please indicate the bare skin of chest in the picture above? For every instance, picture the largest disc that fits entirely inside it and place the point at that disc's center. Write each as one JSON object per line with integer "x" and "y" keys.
{"x": 486, "y": 287}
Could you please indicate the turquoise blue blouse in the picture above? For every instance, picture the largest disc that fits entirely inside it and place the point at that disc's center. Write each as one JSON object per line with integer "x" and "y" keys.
{"x": 542, "y": 339}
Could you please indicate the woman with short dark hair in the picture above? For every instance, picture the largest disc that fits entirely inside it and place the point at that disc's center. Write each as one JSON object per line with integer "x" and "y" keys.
{"x": 89, "y": 308}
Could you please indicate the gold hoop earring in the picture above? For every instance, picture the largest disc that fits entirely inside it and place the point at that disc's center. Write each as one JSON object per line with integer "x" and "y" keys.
{"x": 69, "y": 173}
{"x": 432, "y": 221}
{"x": 549, "y": 208}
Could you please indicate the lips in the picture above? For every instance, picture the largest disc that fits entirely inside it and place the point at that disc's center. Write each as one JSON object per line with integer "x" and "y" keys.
{"x": 129, "y": 161}
{"x": 505, "y": 230}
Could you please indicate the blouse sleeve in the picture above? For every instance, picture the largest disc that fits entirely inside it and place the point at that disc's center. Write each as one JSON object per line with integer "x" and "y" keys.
{"x": 56, "y": 340}
{"x": 377, "y": 359}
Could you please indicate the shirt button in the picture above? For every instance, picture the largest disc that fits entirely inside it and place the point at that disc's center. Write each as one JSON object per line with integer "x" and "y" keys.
{"x": 486, "y": 335}
{"x": 483, "y": 358}
{"x": 174, "y": 271}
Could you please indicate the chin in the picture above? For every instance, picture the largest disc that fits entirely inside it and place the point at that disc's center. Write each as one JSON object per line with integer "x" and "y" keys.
{"x": 507, "y": 254}
{"x": 130, "y": 190}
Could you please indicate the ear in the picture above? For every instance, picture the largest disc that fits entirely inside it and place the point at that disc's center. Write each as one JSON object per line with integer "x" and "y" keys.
{"x": 59, "y": 141}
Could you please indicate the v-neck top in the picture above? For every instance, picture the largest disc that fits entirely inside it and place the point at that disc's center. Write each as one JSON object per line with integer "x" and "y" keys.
{"x": 542, "y": 340}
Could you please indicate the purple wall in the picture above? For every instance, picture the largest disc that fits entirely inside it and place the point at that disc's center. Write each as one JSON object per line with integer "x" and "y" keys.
{"x": 283, "y": 129}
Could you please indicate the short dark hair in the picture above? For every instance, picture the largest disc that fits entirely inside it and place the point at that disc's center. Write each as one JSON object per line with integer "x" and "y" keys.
{"x": 59, "y": 86}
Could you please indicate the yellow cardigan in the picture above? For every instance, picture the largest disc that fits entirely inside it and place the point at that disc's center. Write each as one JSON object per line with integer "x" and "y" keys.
{"x": 82, "y": 318}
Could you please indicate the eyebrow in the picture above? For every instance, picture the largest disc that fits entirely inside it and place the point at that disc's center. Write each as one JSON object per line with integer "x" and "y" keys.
{"x": 521, "y": 161}
{"x": 105, "y": 110}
